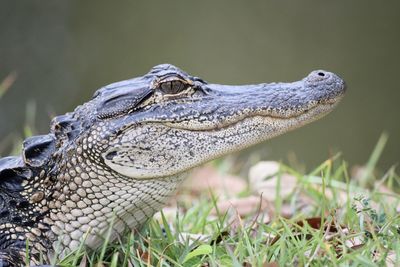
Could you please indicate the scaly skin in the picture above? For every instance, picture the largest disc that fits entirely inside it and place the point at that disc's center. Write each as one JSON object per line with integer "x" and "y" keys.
{"x": 123, "y": 154}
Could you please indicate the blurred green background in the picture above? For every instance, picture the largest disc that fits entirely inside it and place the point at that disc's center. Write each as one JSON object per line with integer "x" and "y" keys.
{"x": 62, "y": 51}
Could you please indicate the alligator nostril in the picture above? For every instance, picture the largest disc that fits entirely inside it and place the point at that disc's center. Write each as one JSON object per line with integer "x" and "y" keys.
{"x": 321, "y": 74}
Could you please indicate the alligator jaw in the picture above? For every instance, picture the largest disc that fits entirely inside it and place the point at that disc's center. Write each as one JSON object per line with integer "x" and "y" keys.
{"x": 297, "y": 118}
{"x": 216, "y": 142}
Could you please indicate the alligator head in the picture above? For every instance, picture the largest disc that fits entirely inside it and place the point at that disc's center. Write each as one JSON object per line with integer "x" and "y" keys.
{"x": 120, "y": 156}
{"x": 167, "y": 121}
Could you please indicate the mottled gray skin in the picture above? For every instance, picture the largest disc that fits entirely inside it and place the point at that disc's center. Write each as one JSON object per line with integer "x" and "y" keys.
{"x": 121, "y": 155}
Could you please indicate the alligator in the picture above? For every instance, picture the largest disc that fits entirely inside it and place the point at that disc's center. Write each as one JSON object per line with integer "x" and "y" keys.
{"x": 120, "y": 156}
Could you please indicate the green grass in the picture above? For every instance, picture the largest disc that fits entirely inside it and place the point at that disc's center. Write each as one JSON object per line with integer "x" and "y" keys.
{"x": 363, "y": 230}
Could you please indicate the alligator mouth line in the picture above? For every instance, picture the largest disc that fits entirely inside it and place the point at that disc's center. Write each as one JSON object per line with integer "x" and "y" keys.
{"x": 313, "y": 113}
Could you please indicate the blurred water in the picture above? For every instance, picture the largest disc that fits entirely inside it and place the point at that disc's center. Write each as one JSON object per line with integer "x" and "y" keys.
{"x": 63, "y": 51}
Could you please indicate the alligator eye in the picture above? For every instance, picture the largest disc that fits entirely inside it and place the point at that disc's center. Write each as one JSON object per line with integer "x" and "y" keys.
{"x": 171, "y": 87}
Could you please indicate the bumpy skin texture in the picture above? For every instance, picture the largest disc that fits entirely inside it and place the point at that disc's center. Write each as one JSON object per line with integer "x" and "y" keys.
{"x": 121, "y": 155}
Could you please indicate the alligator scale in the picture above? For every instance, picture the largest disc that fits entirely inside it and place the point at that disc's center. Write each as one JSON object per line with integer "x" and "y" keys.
{"x": 121, "y": 155}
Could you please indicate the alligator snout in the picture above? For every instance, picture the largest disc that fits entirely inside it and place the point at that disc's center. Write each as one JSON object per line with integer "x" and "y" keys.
{"x": 327, "y": 83}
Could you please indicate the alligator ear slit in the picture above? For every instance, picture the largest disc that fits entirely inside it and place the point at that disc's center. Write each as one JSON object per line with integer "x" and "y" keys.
{"x": 122, "y": 101}
{"x": 37, "y": 150}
